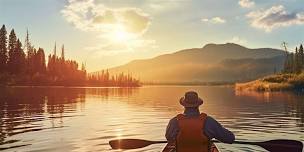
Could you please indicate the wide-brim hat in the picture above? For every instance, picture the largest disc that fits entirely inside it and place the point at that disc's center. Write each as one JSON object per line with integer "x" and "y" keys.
{"x": 191, "y": 99}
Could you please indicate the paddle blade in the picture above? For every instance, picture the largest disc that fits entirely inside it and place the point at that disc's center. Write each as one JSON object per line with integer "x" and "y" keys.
{"x": 129, "y": 143}
{"x": 282, "y": 145}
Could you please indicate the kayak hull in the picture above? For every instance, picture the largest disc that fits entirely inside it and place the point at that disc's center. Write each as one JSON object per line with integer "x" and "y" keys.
{"x": 171, "y": 148}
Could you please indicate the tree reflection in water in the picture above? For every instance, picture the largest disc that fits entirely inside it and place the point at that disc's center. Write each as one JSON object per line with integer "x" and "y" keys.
{"x": 21, "y": 109}
{"x": 293, "y": 101}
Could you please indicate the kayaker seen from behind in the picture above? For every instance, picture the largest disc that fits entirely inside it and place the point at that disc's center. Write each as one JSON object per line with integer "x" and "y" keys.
{"x": 192, "y": 130}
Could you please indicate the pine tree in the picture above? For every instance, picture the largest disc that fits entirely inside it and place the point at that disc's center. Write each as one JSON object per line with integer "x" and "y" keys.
{"x": 12, "y": 43}
{"x": 287, "y": 64}
{"x": 55, "y": 49}
{"x": 292, "y": 63}
{"x": 301, "y": 57}
{"x": 40, "y": 61}
{"x": 83, "y": 67}
{"x": 297, "y": 63}
{"x": 49, "y": 64}
{"x": 20, "y": 58}
{"x": 62, "y": 52}
{"x": 3, "y": 48}
{"x": 29, "y": 49}
{"x": 16, "y": 62}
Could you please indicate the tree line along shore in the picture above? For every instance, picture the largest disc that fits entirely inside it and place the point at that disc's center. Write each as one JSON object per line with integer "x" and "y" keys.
{"x": 25, "y": 65}
{"x": 291, "y": 78}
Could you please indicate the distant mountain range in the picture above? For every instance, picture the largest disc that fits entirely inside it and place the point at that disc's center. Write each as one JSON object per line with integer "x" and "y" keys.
{"x": 212, "y": 63}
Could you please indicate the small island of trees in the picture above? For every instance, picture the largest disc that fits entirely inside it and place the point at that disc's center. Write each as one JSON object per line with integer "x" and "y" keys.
{"x": 25, "y": 65}
{"x": 291, "y": 78}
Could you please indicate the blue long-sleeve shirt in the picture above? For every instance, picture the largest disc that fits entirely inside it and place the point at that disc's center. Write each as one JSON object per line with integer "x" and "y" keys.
{"x": 212, "y": 128}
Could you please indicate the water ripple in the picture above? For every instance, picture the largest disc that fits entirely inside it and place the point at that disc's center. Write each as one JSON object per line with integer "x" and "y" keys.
{"x": 85, "y": 119}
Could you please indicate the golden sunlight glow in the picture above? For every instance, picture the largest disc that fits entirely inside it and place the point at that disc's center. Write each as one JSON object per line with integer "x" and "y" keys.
{"x": 120, "y": 34}
{"x": 119, "y": 133}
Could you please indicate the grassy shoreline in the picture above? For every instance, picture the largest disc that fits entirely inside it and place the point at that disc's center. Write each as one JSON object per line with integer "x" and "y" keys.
{"x": 277, "y": 82}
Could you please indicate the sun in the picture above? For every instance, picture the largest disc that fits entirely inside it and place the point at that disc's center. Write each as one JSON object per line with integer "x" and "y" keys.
{"x": 121, "y": 35}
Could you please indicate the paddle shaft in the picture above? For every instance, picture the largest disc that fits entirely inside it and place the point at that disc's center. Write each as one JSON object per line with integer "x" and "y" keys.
{"x": 261, "y": 144}
{"x": 159, "y": 142}
{"x": 271, "y": 145}
{"x": 214, "y": 141}
{"x": 235, "y": 142}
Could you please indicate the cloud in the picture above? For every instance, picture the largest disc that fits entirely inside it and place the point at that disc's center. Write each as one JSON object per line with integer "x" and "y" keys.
{"x": 275, "y": 17}
{"x": 160, "y": 6}
{"x": 87, "y": 15}
{"x": 246, "y": 3}
{"x": 120, "y": 29}
{"x": 214, "y": 20}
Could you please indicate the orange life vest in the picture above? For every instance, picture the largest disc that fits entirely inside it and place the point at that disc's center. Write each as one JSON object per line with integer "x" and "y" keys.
{"x": 191, "y": 137}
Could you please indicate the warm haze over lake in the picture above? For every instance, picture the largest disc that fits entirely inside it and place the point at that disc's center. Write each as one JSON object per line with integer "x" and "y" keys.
{"x": 108, "y": 33}
{"x": 76, "y": 74}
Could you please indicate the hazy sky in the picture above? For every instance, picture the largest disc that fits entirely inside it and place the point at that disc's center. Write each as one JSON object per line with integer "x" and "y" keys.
{"x": 107, "y": 33}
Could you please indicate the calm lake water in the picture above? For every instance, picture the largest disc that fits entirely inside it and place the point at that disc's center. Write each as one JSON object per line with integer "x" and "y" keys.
{"x": 85, "y": 119}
